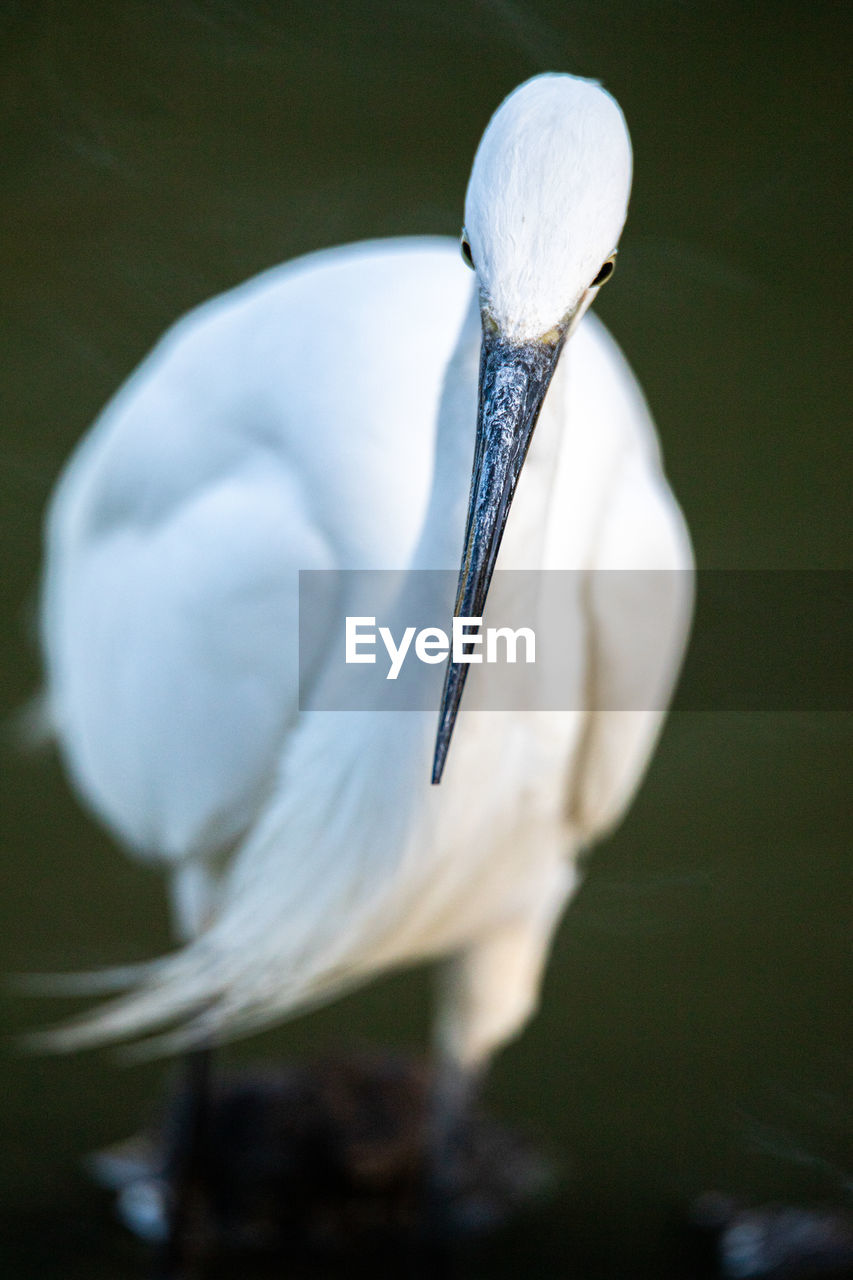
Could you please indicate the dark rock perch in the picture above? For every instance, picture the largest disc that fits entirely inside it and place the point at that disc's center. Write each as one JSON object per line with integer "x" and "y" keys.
{"x": 326, "y": 1163}
{"x": 326, "y": 1159}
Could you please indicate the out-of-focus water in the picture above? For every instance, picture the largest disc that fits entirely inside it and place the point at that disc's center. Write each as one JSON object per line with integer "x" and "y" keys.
{"x": 694, "y": 1026}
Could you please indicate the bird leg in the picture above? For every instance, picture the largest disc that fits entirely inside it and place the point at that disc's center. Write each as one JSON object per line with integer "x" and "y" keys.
{"x": 185, "y": 1164}
{"x": 487, "y": 993}
{"x": 453, "y": 1096}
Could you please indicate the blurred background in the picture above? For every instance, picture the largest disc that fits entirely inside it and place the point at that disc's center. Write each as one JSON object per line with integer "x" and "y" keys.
{"x": 693, "y": 1033}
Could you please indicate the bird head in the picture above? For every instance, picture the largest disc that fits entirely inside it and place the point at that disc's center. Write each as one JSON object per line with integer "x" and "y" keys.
{"x": 546, "y": 203}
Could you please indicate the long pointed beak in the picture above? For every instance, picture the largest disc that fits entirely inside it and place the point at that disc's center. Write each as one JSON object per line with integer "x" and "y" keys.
{"x": 514, "y": 378}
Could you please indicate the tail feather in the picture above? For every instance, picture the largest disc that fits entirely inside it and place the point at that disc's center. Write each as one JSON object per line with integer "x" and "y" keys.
{"x": 96, "y": 982}
{"x": 182, "y": 1002}
{"x": 276, "y": 946}
{"x": 164, "y": 991}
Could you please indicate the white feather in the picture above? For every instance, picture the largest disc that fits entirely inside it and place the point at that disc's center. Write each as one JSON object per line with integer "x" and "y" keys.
{"x": 323, "y": 416}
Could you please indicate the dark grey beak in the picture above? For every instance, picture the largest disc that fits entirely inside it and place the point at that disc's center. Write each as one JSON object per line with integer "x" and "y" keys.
{"x": 514, "y": 378}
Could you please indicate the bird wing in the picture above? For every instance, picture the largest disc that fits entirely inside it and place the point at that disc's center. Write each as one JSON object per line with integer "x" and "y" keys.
{"x": 247, "y": 446}
{"x": 171, "y": 639}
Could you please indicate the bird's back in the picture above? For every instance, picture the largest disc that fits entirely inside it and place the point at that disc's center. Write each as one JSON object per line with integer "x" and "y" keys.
{"x": 286, "y": 425}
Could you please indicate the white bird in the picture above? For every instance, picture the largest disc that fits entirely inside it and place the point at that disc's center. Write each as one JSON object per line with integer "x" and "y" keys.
{"x": 324, "y": 416}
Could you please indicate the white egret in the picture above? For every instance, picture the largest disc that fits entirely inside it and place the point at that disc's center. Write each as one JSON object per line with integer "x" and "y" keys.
{"x": 324, "y": 415}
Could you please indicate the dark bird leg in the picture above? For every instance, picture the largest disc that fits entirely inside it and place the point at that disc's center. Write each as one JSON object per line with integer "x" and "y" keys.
{"x": 453, "y": 1096}
{"x": 186, "y": 1150}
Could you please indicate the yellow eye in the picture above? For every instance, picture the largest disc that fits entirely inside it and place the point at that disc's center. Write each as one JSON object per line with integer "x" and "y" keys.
{"x": 465, "y": 249}
{"x": 605, "y": 272}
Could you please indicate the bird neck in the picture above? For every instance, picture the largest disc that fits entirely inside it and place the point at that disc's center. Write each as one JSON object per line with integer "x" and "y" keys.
{"x": 443, "y": 528}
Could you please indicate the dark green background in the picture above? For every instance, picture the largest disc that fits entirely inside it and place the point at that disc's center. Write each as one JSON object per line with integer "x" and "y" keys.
{"x": 693, "y": 1027}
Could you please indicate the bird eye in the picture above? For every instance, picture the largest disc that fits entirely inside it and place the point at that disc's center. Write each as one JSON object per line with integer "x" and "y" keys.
{"x": 465, "y": 248}
{"x": 605, "y": 272}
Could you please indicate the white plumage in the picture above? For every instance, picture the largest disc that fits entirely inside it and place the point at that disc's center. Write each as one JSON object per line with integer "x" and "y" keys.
{"x": 323, "y": 416}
